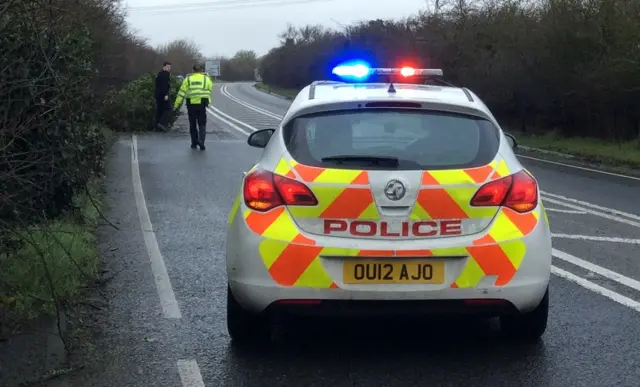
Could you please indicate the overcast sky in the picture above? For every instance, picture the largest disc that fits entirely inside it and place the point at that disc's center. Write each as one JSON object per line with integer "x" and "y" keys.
{"x": 251, "y": 24}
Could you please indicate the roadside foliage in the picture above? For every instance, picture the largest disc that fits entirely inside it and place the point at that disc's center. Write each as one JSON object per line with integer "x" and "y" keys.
{"x": 571, "y": 66}
{"x": 70, "y": 69}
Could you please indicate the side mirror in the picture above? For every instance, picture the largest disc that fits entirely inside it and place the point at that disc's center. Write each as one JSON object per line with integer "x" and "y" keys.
{"x": 511, "y": 140}
{"x": 260, "y": 138}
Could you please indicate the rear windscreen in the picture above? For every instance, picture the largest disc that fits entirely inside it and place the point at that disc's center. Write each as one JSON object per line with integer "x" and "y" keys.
{"x": 418, "y": 139}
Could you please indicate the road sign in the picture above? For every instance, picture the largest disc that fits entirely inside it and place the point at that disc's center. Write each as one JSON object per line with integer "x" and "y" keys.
{"x": 212, "y": 67}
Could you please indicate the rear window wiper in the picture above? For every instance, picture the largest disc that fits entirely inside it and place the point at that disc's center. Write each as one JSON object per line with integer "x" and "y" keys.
{"x": 373, "y": 160}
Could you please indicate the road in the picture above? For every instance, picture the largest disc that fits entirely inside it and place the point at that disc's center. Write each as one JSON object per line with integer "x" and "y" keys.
{"x": 166, "y": 325}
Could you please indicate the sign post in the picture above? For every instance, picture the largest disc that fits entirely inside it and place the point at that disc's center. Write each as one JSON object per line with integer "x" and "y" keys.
{"x": 212, "y": 67}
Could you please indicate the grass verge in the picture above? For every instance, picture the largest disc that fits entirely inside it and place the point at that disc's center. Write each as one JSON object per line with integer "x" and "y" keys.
{"x": 622, "y": 156}
{"x": 54, "y": 262}
{"x": 289, "y": 93}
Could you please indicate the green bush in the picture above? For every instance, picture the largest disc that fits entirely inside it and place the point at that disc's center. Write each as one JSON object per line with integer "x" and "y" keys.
{"x": 567, "y": 65}
{"x": 132, "y": 109}
{"x": 49, "y": 145}
{"x": 61, "y": 61}
{"x": 55, "y": 259}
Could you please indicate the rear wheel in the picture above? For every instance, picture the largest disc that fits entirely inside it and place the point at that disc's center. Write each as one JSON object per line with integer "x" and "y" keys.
{"x": 528, "y": 326}
{"x": 245, "y": 327}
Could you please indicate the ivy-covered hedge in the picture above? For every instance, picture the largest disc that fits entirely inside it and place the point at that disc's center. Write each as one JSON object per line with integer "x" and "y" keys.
{"x": 133, "y": 107}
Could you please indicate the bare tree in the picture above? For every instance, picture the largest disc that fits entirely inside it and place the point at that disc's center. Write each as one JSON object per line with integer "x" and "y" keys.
{"x": 182, "y": 54}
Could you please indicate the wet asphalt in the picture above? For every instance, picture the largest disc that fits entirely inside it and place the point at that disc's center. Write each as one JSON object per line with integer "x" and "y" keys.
{"x": 591, "y": 340}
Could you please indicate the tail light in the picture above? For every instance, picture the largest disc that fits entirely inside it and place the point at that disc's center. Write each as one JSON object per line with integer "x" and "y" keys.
{"x": 518, "y": 192}
{"x": 264, "y": 190}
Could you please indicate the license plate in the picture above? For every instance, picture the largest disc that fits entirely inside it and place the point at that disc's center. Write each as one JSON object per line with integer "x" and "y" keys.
{"x": 393, "y": 272}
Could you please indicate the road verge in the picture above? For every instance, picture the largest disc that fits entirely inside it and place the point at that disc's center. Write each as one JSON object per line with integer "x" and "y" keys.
{"x": 48, "y": 275}
{"x": 276, "y": 92}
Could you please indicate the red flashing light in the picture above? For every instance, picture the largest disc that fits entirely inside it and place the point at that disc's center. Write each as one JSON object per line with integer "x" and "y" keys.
{"x": 264, "y": 191}
{"x": 518, "y": 192}
{"x": 407, "y": 71}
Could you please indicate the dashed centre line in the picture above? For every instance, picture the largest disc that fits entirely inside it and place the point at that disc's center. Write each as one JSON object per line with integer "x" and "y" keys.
{"x": 566, "y": 211}
{"x": 190, "y": 373}
{"x": 598, "y": 238}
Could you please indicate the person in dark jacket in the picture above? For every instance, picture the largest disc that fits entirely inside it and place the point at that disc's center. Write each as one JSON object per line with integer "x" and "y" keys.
{"x": 163, "y": 106}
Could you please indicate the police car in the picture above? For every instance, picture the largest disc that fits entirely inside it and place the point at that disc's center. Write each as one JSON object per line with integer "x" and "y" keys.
{"x": 387, "y": 197}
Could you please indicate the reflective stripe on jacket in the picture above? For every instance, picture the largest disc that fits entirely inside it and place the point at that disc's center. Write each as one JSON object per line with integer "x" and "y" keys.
{"x": 195, "y": 88}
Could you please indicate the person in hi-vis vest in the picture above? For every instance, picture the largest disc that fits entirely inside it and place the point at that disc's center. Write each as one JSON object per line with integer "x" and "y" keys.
{"x": 196, "y": 89}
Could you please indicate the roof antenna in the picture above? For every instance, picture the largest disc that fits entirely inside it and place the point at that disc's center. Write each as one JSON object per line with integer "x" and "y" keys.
{"x": 391, "y": 88}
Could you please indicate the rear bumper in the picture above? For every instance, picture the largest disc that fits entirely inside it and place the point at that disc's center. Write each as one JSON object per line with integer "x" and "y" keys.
{"x": 399, "y": 308}
{"x": 339, "y": 302}
{"x": 256, "y": 290}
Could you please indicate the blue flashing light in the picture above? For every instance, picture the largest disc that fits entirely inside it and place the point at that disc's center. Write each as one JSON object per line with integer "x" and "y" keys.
{"x": 357, "y": 70}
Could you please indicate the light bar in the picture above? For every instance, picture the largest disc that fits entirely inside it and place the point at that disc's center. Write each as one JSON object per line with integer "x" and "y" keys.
{"x": 407, "y": 72}
{"x": 360, "y": 71}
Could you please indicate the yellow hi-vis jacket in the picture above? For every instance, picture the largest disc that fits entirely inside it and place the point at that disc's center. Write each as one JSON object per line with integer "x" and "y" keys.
{"x": 195, "y": 88}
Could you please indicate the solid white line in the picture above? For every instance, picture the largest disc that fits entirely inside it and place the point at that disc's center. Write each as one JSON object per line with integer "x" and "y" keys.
{"x": 591, "y": 205}
{"x": 231, "y": 125}
{"x": 598, "y": 238}
{"x": 583, "y": 168}
{"x": 168, "y": 301}
{"x": 190, "y": 373}
{"x": 224, "y": 92}
{"x": 626, "y": 301}
{"x": 593, "y": 212}
{"x": 216, "y": 110}
{"x": 265, "y": 112}
{"x": 619, "y": 278}
{"x": 565, "y": 211}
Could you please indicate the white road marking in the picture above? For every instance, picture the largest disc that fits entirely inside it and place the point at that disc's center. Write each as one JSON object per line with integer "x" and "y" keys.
{"x": 565, "y": 211}
{"x": 231, "y": 124}
{"x": 214, "y": 109}
{"x": 168, "y": 301}
{"x": 224, "y": 92}
{"x": 190, "y": 373}
{"x": 615, "y": 218}
{"x": 619, "y": 298}
{"x": 252, "y": 107}
{"x": 582, "y": 168}
{"x": 598, "y": 238}
{"x": 619, "y": 278}
{"x": 593, "y": 206}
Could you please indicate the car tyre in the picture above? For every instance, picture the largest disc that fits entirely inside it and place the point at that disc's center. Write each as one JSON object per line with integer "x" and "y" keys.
{"x": 528, "y": 326}
{"x": 245, "y": 328}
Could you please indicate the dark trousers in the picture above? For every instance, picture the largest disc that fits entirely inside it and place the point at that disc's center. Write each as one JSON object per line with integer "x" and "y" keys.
{"x": 162, "y": 112}
{"x": 197, "y": 114}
